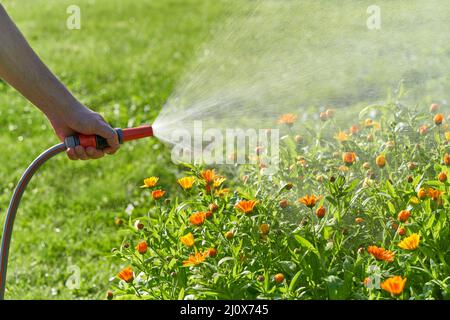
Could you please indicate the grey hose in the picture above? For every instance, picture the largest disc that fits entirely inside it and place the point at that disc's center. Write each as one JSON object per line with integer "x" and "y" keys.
{"x": 14, "y": 204}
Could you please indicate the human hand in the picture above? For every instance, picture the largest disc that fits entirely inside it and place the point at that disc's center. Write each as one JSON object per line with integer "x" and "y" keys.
{"x": 80, "y": 119}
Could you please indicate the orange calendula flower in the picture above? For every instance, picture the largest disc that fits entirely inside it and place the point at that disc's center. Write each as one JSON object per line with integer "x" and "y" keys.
{"x": 246, "y": 206}
{"x": 349, "y": 158}
{"x": 126, "y": 274}
{"x": 309, "y": 200}
{"x": 142, "y": 247}
{"x": 341, "y": 136}
{"x": 404, "y": 215}
{"x": 150, "y": 182}
{"x": 410, "y": 243}
{"x": 442, "y": 177}
{"x": 381, "y": 253}
{"x": 380, "y": 161}
{"x": 434, "y": 194}
{"x": 197, "y": 218}
{"x": 288, "y": 119}
{"x": 422, "y": 193}
{"x": 158, "y": 194}
{"x": 209, "y": 176}
{"x": 438, "y": 119}
{"x": 195, "y": 259}
{"x": 186, "y": 183}
{"x": 211, "y": 252}
{"x": 447, "y": 159}
{"x": 354, "y": 129}
{"x": 394, "y": 285}
{"x": 187, "y": 240}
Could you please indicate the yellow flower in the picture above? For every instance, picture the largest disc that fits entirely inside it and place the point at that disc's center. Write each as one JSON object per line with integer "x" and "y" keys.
{"x": 222, "y": 192}
{"x": 414, "y": 200}
{"x": 341, "y": 136}
{"x": 195, "y": 259}
{"x": 218, "y": 181}
{"x": 410, "y": 243}
{"x": 150, "y": 182}
{"x": 187, "y": 240}
{"x": 447, "y": 135}
{"x": 394, "y": 285}
{"x": 186, "y": 183}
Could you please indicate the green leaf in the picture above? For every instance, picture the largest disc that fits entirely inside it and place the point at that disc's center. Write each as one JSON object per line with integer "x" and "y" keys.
{"x": 307, "y": 245}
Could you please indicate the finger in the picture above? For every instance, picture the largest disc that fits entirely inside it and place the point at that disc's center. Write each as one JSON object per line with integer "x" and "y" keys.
{"x": 71, "y": 154}
{"x": 81, "y": 153}
{"x": 109, "y": 134}
{"x": 109, "y": 151}
{"x": 94, "y": 153}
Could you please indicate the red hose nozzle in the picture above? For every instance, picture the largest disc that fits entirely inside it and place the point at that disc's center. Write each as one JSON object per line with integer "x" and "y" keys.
{"x": 99, "y": 142}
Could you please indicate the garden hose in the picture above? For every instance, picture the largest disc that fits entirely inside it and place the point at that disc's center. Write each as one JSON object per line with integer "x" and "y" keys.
{"x": 69, "y": 142}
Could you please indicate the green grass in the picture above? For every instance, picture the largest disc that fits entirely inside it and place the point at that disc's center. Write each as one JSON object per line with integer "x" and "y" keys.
{"x": 123, "y": 62}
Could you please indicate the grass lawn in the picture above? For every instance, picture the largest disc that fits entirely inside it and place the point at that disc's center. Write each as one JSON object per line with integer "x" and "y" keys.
{"x": 123, "y": 62}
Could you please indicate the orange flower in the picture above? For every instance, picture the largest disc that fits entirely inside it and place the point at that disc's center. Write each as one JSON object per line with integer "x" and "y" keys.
{"x": 320, "y": 212}
{"x": 197, "y": 218}
{"x": 264, "y": 228}
{"x": 288, "y": 119}
{"x": 442, "y": 177}
{"x": 209, "y": 176}
{"x": 404, "y": 215}
{"x": 211, "y": 252}
{"x": 246, "y": 206}
{"x": 150, "y": 182}
{"x": 410, "y": 243}
{"x": 349, "y": 158}
{"x": 422, "y": 193}
{"x": 381, "y": 253}
{"x": 380, "y": 161}
{"x": 309, "y": 201}
{"x": 229, "y": 235}
{"x": 394, "y": 285}
{"x": 279, "y": 277}
{"x": 142, "y": 247}
{"x": 195, "y": 259}
{"x": 126, "y": 274}
{"x": 359, "y": 220}
{"x": 354, "y": 129}
{"x": 186, "y": 183}
{"x": 438, "y": 119}
{"x": 188, "y": 240}
{"x": 434, "y": 194}
{"x": 447, "y": 159}
{"x": 158, "y": 194}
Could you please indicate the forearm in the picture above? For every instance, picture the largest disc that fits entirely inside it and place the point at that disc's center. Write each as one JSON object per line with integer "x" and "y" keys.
{"x": 22, "y": 68}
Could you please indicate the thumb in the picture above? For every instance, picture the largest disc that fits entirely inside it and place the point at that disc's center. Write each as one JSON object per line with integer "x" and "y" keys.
{"x": 106, "y": 131}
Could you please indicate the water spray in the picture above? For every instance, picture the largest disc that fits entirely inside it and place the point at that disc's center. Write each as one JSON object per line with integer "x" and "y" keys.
{"x": 69, "y": 142}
